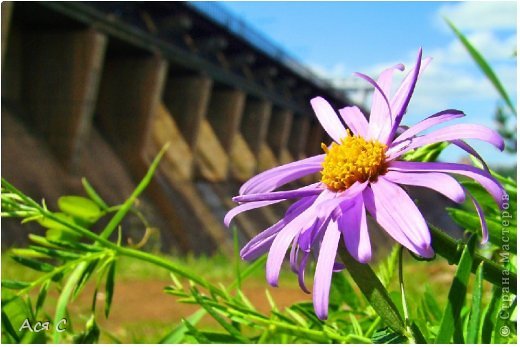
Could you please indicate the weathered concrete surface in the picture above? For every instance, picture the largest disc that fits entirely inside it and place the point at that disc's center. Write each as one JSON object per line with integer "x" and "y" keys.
{"x": 243, "y": 161}
{"x": 187, "y": 98}
{"x": 60, "y": 85}
{"x": 279, "y": 130}
{"x": 177, "y": 162}
{"x": 212, "y": 162}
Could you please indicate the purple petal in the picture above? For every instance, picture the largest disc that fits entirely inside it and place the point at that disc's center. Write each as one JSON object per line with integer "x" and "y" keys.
{"x": 438, "y": 118}
{"x": 380, "y": 112}
{"x": 246, "y": 207}
{"x": 329, "y": 119}
{"x": 293, "y": 255}
{"x": 484, "y": 178}
{"x": 301, "y": 273}
{"x": 324, "y": 266}
{"x": 382, "y": 117}
{"x": 353, "y": 226}
{"x": 262, "y": 242}
{"x": 450, "y": 133}
{"x": 341, "y": 201}
{"x": 284, "y": 238}
{"x": 273, "y": 178}
{"x": 483, "y": 223}
{"x": 397, "y": 214}
{"x": 355, "y": 120}
{"x": 403, "y": 95}
{"x": 466, "y": 147}
{"x": 444, "y": 184}
{"x": 280, "y": 195}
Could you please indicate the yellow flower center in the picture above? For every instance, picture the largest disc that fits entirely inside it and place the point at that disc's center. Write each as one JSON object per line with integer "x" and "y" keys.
{"x": 353, "y": 160}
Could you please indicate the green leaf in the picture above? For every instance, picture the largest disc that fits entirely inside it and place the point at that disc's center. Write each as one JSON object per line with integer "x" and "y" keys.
{"x": 8, "y": 327}
{"x": 451, "y": 324}
{"x": 341, "y": 291}
{"x": 42, "y": 294}
{"x": 56, "y": 224}
{"x": 61, "y": 235}
{"x": 33, "y": 264}
{"x": 475, "y": 313}
{"x": 484, "y": 66}
{"x": 92, "y": 194}
{"x": 491, "y": 310}
{"x": 12, "y": 284}
{"x": 178, "y": 334}
{"x": 432, "y": 305}
{"x": 374, "y": 291}
{"x": 55, "y": 253}
{"x": 80, "y": 207}
{"x": 109, "y": 288}
{"x": 87, "y": 271}
{"x": 125, "y": 208}
{"x": 64, "y": 298}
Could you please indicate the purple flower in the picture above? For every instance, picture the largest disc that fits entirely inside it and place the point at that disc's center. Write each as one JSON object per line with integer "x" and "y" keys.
{"x": 361, "y": 172}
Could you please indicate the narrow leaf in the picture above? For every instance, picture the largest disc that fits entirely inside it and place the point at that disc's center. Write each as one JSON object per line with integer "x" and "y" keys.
{"x": 451, "y": 322}
{"x": 476, "y": 309}
{"x": 109, "y": 288}
{"x": 484, "y": 66}
{"x": 92, "y": 194}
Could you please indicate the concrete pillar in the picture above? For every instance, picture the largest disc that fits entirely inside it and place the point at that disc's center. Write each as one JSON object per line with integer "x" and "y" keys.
{"x": 315, "y": 139}
{"x": 224, "y": 114}
{"x": 130, "y": 93}
{"x": 61, "y": 72}
{"x": 187, "y": 99}
{"x": 299, "y": 136}
{"x": 279, "y": 130}
{"x": 7, "y": 10}
{"x": 255, "y": 123}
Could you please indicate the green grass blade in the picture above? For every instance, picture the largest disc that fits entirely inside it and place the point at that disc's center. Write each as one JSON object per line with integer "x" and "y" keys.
{"x": 484, "y": 66}
{"x": 450, "y": 324}
{"x": 109, "y": 287}
{"x": 488, "y": 323}
{"x": 476, "y": 309}
{"x": 374, "y": 291}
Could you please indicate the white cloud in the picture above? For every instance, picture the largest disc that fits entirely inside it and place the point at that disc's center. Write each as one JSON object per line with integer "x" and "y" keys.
{"x": 480, "y": 15}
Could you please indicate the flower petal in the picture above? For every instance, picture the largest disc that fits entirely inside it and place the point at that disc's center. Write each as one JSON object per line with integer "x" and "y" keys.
{"x": 353, "y": 226}
{"x": 355, "y": 120}
{"x": 260, "y": 243}
{"x": 483, "y": 223}
{"x": 324, "y": 267}
{"x": 443, "y": 183}
{"x": 273, "y": 178}
{"x": 382, "y": 118}
{"x": 402, "y": 97}
{"x": 246, "y": 207}
{"x": 397, "y": 214}
{"x": 341, "y": 201}
{"x": 284, "y": 238}
{"x": 438, "y": 118}
{"x": 329, "y": 119}
{"x": 301, "y": 272}
{"x": 380, "y": 113}
{"x": 450, "y": 133}
{"x": 284, "y": 195}
{"x": 484, "y": 178}
{"x": 468, "y": 149}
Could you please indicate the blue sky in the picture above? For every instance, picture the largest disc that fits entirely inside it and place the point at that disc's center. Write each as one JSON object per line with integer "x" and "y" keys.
{"x": 338, "y": 38}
